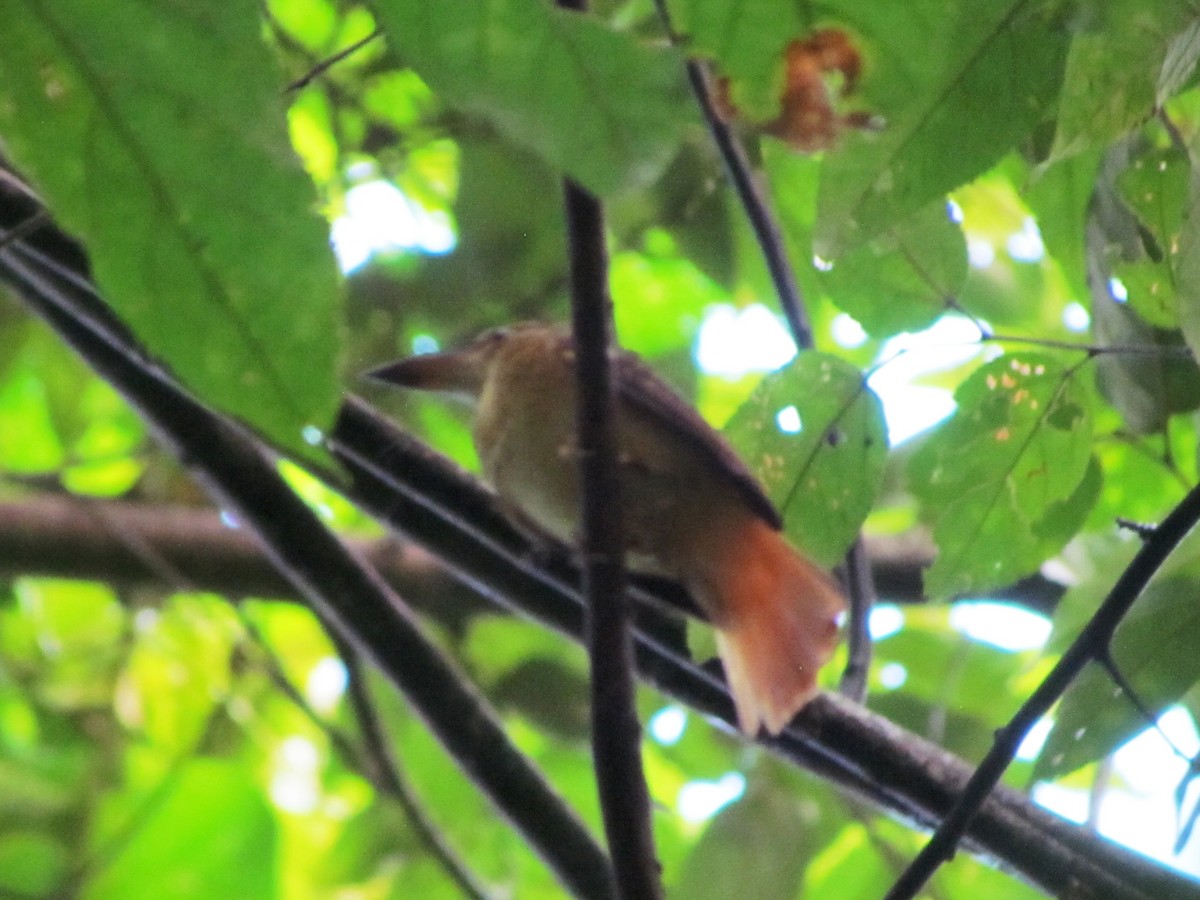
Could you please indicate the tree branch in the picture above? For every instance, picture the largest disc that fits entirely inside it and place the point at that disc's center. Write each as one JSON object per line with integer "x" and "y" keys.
{"x": 340, "y": 588}
{"x": 69, "y": 536}
{"x": 1092, "y": 643}
{"x": 403, "y": 482}
{"x": 118, "y": 542}
{"x": 616, "y": 733}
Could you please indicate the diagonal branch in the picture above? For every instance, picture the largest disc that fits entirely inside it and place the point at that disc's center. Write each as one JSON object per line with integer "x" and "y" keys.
{"x": 343, "y": 591}
{"x": 401, "y": 481}
{"x": 1091, "y": 644}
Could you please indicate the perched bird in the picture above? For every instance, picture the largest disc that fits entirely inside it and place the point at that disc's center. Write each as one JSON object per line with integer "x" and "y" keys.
{"x": 691, "y": 509}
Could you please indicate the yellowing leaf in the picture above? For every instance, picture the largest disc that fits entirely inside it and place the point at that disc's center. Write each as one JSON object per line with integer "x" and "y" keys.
{"x": 1001, "y": 476}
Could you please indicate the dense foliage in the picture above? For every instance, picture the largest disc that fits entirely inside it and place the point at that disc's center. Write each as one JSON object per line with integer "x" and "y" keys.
{"x": 1018, "y": 177}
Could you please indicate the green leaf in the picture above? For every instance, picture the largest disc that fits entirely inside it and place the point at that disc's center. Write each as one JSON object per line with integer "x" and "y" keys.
{"x": 1154, "y": 648}
{"x": 180, "y": 180}
{"x": 598, "y": 105}
{"x": 757, "y": 847}
{"x": 31, "y": 863}
{"x": 903, "y": 279}
{"x": 1112, "y": 74}
{"x": 1000, "y": 477}
{"x": 900, "y": 280}
{"x": 1155, "y": 187}
{"x": 815, "y": 435}
{"x": 211, "y": 834}
{"x": 984, "y": 78}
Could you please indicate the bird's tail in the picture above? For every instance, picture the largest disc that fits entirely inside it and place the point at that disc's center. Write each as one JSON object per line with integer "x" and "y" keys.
{"x": 776, "y": 615}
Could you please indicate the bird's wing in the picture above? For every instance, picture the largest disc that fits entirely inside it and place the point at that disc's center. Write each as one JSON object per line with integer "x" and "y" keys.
{"x": 638, "y": 385}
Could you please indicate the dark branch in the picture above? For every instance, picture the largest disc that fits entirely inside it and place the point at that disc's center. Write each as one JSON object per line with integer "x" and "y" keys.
{"x": 1092, "y": 644}
{"x": 791, "y": 300}
{"x": 616, "y": 734}
{"x": 345, "y": 593}
{"x": 403, "y": 482}
{"x": 84, "y": 537}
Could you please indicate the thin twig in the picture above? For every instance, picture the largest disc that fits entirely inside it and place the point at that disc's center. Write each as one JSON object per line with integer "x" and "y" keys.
{"x": 1091, "y": 643}
{"x": 853, "y": 684}
{"x": 326, "y": 64}
{"x": 372, "y": 760}
{"x": 1174, "y": 351}
{"x": 758, "y": 210}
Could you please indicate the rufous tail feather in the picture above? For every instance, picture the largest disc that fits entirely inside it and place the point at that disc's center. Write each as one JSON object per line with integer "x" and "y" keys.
{"x": 776, "y": 615}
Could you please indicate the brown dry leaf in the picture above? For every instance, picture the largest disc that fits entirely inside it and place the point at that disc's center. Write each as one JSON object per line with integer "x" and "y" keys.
{"x": 808, "y": 120}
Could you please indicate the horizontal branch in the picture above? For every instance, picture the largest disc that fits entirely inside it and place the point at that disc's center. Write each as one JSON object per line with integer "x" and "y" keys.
{"x": 174, "y": 547}
{"x": 116, "y": 541}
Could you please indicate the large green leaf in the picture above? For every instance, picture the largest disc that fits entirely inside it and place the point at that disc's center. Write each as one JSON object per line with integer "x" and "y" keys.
{"x": 209, "y": 834}
{"x": 814, "y": 434}
{"x": 1004, "y": 478}
{"x": 1154, "y": 649}
{"x": 899, "y": 280}
{"x": 1114, "y": 70}
{"x": 598, "y": 105}
{"x": 757, "y": 847}
{"x": 904, "y": 278}
{"x": 180, "y": 180}
{"x": 985, "y": 76}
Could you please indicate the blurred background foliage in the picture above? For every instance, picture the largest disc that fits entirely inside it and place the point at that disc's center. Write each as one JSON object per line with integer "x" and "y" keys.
{"x": 1007, "y": 256}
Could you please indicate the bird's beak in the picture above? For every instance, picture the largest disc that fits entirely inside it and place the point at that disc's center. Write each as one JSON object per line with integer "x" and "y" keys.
{"x": 457, "y": 372}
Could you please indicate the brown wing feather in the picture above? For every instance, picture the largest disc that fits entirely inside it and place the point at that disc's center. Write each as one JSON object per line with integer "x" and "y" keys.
{"x": 638, "y": 385}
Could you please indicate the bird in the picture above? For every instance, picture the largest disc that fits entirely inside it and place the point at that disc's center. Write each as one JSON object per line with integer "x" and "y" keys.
{"x": 691, "y": 509}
